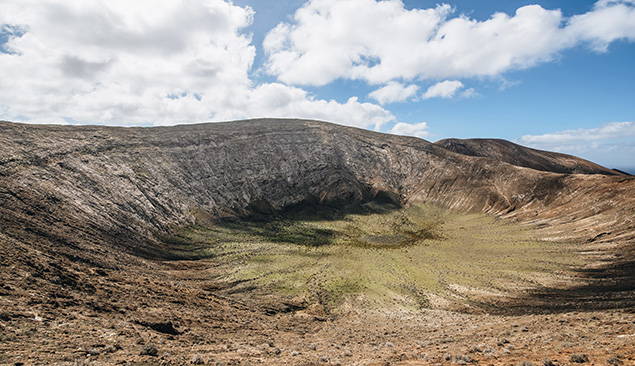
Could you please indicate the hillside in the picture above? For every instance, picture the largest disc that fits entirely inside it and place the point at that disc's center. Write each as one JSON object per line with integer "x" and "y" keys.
{"x": 91, "y": 218}
{"x": 514, "y": 154}
{"x": 124, "y": 186}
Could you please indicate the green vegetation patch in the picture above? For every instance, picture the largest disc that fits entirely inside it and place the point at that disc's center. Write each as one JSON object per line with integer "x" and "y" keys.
{"x": 374, "y": 260}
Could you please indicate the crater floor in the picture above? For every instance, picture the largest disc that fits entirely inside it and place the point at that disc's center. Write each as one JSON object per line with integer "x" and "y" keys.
{"x": 413, "y": 286}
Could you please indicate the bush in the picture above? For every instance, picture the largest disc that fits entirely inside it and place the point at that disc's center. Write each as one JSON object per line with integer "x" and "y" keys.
{"x": 614, "y": 361}
{"x": 150, "y": 350}
{"x": 578, "y": 358}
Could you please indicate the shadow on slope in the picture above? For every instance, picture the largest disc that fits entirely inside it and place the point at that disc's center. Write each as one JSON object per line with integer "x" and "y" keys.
{"x": 307, "y": 224}
{"x": 606, "y": 287}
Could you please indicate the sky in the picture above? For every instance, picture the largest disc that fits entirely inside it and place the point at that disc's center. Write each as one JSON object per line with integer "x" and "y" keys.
{"x": 556, "y": 75}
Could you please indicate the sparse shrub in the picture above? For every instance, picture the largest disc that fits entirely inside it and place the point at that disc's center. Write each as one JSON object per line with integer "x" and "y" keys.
{"x": 198, "y": 359}
{"x": 501, "y": 341}
{"x": 614, "y": 361}
{"x": 566, "y": 345}
{"x": 476, "y": 349}
{"x": 149, "y": 350}
{"x": 578, "y": 358}
{"x": 111, "y": 348}
{"x": 509, "y": 348}
{"x": 526, "y": 363}
{"x": 461, "y": 359}
{"x": 547, "y": 362}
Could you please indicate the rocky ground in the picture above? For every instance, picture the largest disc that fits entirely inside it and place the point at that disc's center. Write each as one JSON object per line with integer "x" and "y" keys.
{"x": 85, "y": 278}
{"x": 170, "y": 313}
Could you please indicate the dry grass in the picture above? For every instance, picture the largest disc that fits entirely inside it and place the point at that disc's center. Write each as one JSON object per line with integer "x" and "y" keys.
{"x": 407, "y": 259}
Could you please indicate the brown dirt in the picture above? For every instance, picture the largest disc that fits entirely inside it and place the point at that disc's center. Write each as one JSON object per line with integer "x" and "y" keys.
{"x": 82, "y": 211}
{"x": 68, "y": 313}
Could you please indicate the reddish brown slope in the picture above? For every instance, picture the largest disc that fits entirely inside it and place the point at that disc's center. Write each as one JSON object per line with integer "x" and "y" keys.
{"x": 511, "y": 153}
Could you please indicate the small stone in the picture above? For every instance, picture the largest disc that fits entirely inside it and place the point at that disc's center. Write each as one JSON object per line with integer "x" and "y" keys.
{"x": 294, "y": 353}
{"x": 547, "y": 362}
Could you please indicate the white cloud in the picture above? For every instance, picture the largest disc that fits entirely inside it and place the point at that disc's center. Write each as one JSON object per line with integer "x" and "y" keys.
{"x": 405, "y": 129}
{"x": 393, "y": 92}
{"x": 613, "y": 130}
{"x": 380, "y": 41}
{"x": 612, "y": 144}
{"x": 469, "y": 93}
{"x": 610, "y": 20}
{"x": 144, "y": 62}
{"x": 444, "y": 89}
{"x": 284, "y": 101}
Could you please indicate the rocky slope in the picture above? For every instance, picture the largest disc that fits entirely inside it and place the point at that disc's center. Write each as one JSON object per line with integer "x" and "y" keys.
{"x": 83, "y": 188}
{"x": 83, "y": 211}
{"x": 502, "y": 150}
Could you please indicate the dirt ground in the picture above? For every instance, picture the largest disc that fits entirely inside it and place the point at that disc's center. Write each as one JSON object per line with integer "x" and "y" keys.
{"x": 170, "y": 314}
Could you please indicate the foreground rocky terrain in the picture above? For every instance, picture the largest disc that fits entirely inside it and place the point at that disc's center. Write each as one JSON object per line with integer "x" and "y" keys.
{"x": 90, "y": 277}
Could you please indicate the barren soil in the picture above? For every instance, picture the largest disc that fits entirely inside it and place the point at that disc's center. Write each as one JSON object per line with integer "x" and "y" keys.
{"x": 254, "y": 292}
{"x": 307, "y": 243}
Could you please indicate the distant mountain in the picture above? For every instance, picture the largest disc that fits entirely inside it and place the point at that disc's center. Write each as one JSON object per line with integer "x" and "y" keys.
{"x": 508, "y": 152}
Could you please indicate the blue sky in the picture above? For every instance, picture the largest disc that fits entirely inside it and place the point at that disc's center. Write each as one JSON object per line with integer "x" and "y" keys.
{"x": 555, "y": 75}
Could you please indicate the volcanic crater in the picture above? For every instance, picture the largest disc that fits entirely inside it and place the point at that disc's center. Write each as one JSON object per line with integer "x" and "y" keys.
{"x": 279, "y": 241}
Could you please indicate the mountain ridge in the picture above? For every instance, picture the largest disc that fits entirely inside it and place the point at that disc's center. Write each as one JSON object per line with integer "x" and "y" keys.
{"x": 131, "y": 185}
{"x": 120, "y": 244}
{"x": 519, "y": 155}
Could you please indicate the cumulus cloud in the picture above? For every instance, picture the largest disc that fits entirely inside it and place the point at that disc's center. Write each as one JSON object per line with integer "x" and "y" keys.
{"x": 610, "y": 20}
{"x": 380, "y": 41}
{"x": 611, "y": 138}
{"x": 405, "y": 129}
{"x": 393, "y": 92}
{"x": 284, "y": 101}
{"x": 444, "y": 89}
{"x": 144, "y": 62}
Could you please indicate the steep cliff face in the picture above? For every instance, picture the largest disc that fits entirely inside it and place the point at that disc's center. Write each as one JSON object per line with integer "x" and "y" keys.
{"x": 83, "y": 189}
